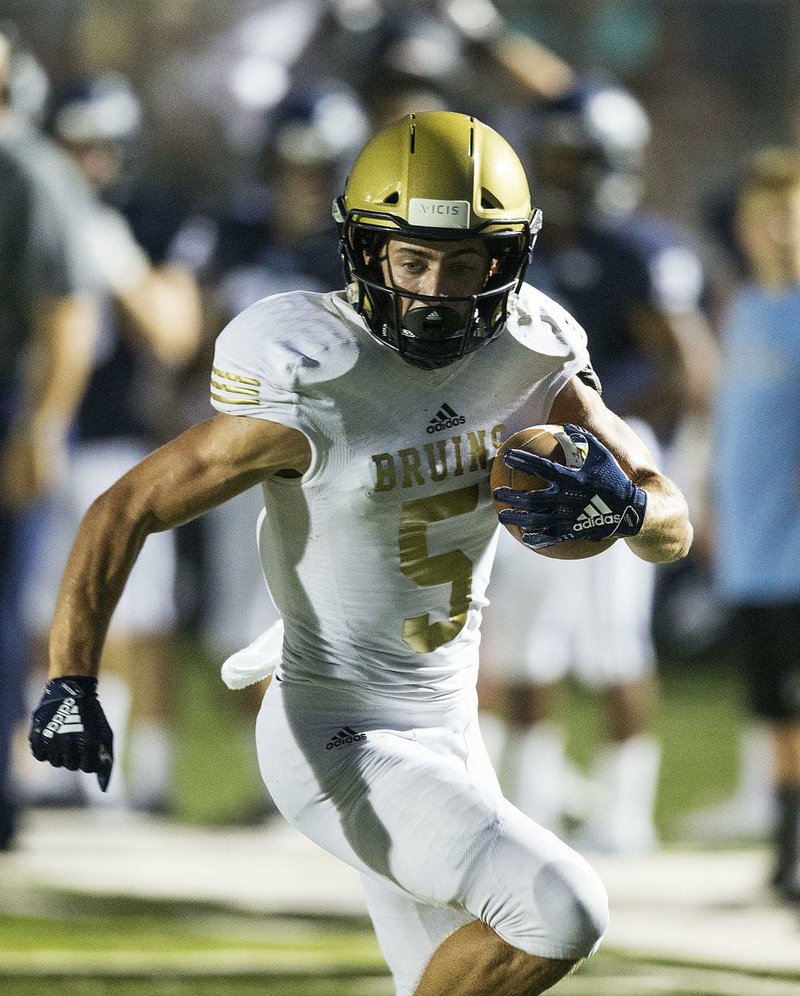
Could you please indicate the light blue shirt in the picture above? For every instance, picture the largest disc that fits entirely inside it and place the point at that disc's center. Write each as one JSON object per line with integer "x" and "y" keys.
{"x": 756, "y": 459}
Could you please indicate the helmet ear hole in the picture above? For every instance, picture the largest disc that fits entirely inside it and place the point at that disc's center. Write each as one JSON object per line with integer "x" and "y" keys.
{"x": 489, "y": 201}
{"x": 393, "y": 198}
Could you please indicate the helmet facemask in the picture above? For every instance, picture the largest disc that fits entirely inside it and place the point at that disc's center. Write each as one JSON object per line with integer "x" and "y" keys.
{"x": 435, "y": 334}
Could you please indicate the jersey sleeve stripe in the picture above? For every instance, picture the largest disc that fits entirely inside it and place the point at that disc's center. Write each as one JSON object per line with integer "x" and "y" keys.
{"x": 235, "y": 377}
{"x": 234, "y": 401}
{"x": 233, "y": 390}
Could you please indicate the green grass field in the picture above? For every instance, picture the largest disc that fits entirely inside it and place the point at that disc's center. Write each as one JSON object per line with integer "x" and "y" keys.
{"x": 127, "y": 948}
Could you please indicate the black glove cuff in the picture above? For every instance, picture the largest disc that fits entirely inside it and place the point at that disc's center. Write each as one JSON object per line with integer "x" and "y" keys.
{"x": 72, "y": 684}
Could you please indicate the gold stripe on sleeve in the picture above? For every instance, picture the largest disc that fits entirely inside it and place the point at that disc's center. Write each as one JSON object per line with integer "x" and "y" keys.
{"x": 233, "y": 390}
{"x": 236, "y": 377}
{"x": 234, "y": 401}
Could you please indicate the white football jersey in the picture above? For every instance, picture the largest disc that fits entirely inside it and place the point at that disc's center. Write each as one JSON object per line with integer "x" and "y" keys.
{"x": 379, "y": 556}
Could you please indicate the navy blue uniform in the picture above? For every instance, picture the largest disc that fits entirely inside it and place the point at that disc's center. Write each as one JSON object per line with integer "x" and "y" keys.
{"x": 247, "y": 262}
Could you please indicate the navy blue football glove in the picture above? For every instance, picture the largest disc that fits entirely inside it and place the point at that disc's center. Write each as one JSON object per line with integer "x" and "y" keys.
{"x": 595, "y": 502}
{"x": 70, "y": 729}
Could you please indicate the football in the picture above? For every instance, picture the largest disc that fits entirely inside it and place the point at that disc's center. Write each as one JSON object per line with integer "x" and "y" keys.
{"x": 552, "y": 442}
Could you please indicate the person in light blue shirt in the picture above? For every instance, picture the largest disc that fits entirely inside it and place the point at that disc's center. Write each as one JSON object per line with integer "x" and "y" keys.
{"x": 757, "y": 475}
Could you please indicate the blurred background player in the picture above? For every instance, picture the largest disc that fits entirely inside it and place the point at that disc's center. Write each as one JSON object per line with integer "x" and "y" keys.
{"x": 757, "y": 485}
{"x": 276, "y": 232}
{"x": 635, "y": 283}
{"x": 150, "y": 326}
{"x": 748, "y": 813}
{"x": 48, "y": 328}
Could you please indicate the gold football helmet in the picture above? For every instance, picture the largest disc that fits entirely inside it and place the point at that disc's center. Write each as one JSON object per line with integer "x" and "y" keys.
{"x": 434, "y": 176}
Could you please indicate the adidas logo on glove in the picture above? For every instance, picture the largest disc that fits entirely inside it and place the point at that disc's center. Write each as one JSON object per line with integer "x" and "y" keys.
{"x": 67, "y": 719}
{"x": 596, "y": 513}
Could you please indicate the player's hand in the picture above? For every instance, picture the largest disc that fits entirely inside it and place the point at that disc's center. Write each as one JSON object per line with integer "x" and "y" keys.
{"x": 594, "y": 502}
{"x": 70, "y": 729}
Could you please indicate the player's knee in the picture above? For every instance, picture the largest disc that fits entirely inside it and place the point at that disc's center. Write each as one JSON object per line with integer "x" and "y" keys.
{"x": 537, "y": 893}
{"x": 559, "y": 911}
{"x": 573, "y": 904}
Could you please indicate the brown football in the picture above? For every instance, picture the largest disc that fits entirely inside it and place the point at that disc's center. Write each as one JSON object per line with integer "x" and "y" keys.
{"x": 552, "y": 442}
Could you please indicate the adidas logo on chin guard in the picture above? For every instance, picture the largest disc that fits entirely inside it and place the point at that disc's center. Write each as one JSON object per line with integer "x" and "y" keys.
{"x": 596, "y": 513}
{"x": 445, "y": 418}
{"x": 347, "y": 735}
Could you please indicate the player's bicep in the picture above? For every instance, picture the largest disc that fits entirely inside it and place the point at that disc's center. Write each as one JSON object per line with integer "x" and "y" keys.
{"x": 207, "y": 465}
{"x": 580, "y": 404}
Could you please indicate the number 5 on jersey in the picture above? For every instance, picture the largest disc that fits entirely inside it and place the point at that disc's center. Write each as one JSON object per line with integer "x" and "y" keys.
{"x": 453, "y": 568}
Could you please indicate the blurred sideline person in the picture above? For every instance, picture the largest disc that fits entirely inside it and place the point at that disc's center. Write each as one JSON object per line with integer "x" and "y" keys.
{"x": 757, "y": 488}
{"x": 634, "y": 282}
{"x": 48, "y": 328}
{"x": 377, "y": 543}
{"x": 276, "y": 223}
{"x": 150, "y": 324}
{"x": 748, "y": 812}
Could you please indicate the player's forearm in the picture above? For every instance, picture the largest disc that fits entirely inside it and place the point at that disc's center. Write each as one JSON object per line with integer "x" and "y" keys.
{"x": 102, "y": 557}
{"x": 203, "y": 467}
{"x": 160, "y": 493}
{"x": 666, "y": 533}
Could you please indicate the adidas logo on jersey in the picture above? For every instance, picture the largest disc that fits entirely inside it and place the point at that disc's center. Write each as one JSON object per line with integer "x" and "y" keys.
{"x": 596, "y": 513}
{"x": 67, "y": 719}
{"x": 347, "y": 735}
{"x": 445, "y": 418}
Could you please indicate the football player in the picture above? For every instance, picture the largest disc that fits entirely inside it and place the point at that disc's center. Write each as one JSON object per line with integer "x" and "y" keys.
{"x": 634, "y": 282}
{"x": 377, "y": 539}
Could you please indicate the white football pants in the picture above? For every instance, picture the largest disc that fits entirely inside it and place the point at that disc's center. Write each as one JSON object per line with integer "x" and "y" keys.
{"x": 405, "y": 793}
